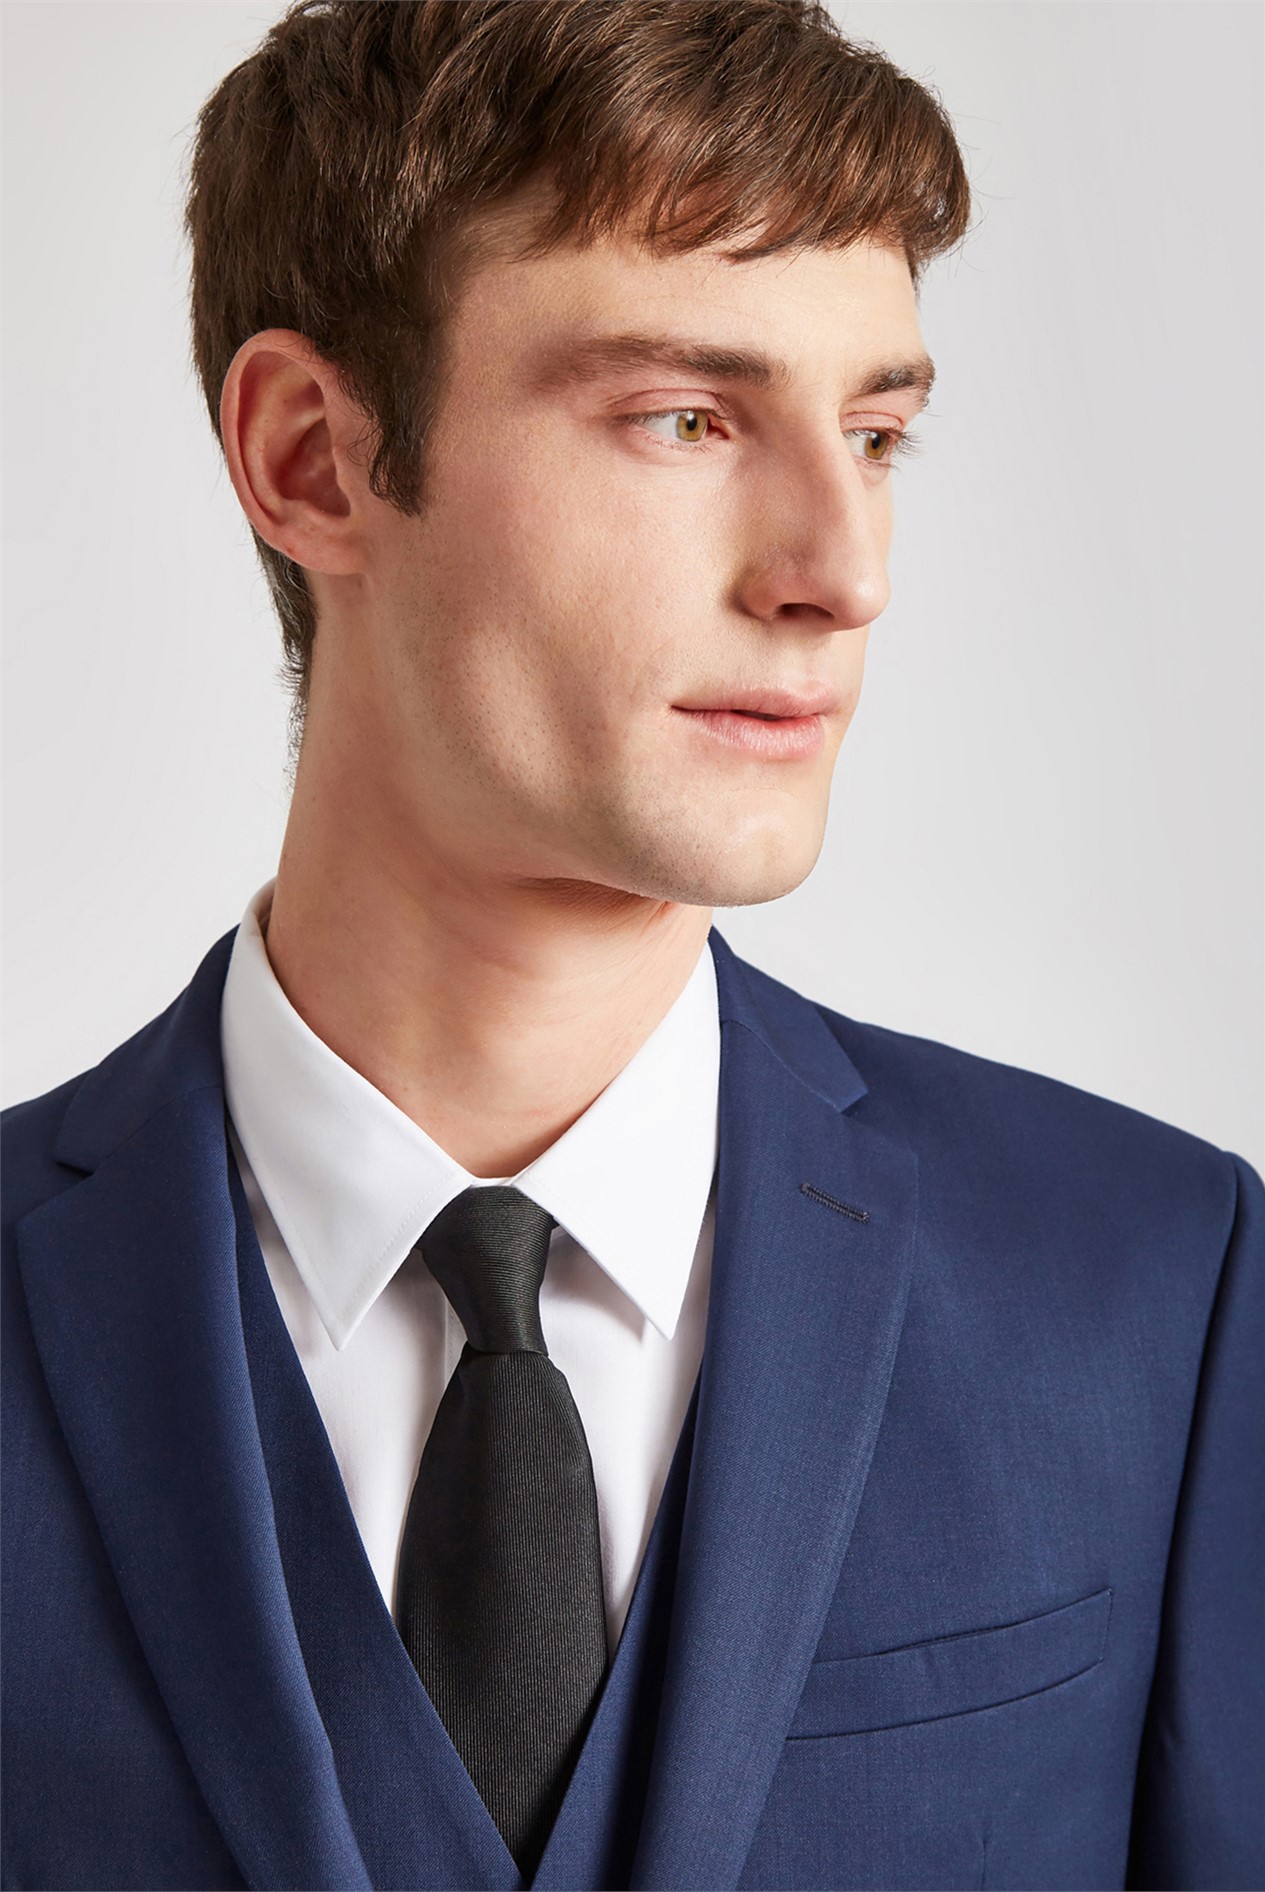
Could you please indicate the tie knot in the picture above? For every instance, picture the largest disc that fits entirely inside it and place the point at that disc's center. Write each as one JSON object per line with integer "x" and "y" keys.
{"x": 487, "y": 1250}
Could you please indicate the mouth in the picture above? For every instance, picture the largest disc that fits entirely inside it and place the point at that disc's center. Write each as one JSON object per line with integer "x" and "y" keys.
{"x": 772, "y": 704}
{"x": 759, "y": 733}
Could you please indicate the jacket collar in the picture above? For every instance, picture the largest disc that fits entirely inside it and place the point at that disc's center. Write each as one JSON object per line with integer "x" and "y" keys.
{"x": 788, "y": 1026}
{"x": 175, "y": 1056}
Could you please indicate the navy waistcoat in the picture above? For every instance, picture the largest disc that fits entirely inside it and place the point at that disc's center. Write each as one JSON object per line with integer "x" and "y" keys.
{"x": 415, "y": 1812}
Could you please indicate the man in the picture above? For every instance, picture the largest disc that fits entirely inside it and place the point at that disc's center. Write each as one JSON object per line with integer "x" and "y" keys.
{"x": 499, "y": 1390}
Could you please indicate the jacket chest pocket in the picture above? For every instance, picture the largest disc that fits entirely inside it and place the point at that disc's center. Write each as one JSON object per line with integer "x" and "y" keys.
{"x": 953, "y": 1675}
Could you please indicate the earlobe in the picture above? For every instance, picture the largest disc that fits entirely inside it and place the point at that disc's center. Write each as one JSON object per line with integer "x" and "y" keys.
{"x": 282, "y": 423}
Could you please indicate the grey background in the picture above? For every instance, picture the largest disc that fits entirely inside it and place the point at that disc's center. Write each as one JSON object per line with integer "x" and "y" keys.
{"x": 1045, "y": 841}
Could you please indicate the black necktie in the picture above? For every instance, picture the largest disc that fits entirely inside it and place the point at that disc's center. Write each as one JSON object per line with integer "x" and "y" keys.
{"x": 499, "y": 1600}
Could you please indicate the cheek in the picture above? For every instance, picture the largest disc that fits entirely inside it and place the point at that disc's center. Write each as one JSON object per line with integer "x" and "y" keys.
{"x": 568, "y": 589}
{"x": 583, "y": 596}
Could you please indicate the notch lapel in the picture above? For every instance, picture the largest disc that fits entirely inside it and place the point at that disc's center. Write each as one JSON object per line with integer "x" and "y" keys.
{"x": 130, "y": 1277}
{"x": 805, "y": 1313}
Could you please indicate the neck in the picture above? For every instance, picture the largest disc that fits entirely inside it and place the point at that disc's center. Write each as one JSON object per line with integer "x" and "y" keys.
{"x": 490, "y": 1010}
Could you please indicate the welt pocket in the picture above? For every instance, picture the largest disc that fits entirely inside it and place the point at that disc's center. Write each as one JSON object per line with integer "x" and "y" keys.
{"x": 953, "y": 1675}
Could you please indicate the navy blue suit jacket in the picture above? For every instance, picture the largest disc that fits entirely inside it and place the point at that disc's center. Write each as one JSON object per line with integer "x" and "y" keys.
{"x": 968, "y": 1586}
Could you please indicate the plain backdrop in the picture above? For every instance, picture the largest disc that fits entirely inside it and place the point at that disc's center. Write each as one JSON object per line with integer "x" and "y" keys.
{"x": 1045, "y": 840}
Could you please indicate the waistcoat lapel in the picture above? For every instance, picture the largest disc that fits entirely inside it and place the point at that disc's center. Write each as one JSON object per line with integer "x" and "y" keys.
{"x": 131, "y": 1281}
{"x": 814, "y": 1241}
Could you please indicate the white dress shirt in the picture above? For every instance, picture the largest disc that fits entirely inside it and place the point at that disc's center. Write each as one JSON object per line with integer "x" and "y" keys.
{"x": 341, "y": 1184}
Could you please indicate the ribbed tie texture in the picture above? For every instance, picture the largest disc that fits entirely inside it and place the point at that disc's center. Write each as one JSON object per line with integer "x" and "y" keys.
{"x": 499, "y": 1600}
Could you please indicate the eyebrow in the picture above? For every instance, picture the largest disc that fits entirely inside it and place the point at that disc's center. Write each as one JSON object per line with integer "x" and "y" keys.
{"x": 573, "y": 360}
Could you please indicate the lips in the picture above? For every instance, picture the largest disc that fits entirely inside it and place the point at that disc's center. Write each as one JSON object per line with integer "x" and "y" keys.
{"x": 771, "y": 704}
{"x": 757, "y": 736}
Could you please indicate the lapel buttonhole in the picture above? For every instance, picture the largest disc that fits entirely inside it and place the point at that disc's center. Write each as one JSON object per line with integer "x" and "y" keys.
{"x": 833, "y": 1202}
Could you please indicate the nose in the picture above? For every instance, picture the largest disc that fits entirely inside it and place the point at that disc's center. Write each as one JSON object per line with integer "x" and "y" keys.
{"x": 815, "y": 533}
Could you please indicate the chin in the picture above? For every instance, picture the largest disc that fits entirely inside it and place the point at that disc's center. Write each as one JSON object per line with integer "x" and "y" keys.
{"x": 737, "y": 890}
{"x": 723, "y": 873}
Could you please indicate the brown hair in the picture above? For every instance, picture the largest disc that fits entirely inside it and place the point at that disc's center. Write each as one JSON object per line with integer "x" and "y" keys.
{"x": 342, "y": 177}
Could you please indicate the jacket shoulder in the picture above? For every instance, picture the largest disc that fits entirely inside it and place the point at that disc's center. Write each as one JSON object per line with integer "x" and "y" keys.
{"x": 1029, "y": 1133}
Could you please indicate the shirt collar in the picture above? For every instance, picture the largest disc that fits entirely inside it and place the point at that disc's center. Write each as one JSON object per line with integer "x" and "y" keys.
{"x": 352, "y": 1182}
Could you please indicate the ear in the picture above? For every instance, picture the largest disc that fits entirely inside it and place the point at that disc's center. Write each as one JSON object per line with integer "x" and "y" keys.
{"x": 289, "y": 437}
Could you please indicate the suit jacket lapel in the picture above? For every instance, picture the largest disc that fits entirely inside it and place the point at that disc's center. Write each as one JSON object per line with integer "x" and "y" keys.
{"x": 814, "y": 1241}
{"x": 130, "y": 1276}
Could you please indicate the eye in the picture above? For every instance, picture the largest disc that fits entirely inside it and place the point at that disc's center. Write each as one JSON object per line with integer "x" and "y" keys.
{"x": 691, "y": 427}
{"x": 895, "y": 440}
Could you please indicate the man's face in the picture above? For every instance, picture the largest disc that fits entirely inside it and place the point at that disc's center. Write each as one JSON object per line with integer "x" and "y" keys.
{"x": 529, "y": 651}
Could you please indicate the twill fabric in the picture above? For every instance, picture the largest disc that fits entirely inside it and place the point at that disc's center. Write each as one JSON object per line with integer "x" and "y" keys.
{"x": 499, "y": 1599}
{"x": 955, "y": 1582}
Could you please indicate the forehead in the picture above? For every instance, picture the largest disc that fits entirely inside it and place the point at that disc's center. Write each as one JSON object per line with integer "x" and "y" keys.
{"x": 817, "y": 309}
